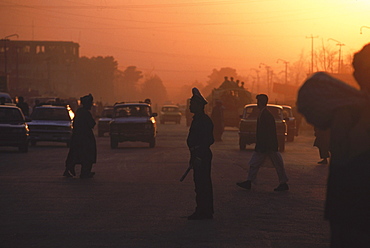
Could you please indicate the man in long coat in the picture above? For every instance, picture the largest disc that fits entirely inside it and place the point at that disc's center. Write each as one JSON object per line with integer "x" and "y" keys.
{"x": 199, "y": 140}
{"x": 266, "y": 146}
{"x": 83, "y": 145}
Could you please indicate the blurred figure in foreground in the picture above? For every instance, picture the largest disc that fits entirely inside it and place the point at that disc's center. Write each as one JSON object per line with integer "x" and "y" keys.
{"x": 266, "y": 147}
{"x": 83, "y": 145}
{"x": 322, "y": 141}
{"x": 199, "y": 140}
{"x": 217, "y": 117}
{"x": 329, "y": 103}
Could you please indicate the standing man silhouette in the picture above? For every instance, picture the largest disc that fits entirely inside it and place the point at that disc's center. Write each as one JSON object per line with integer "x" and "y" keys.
{"x": 199, "y": 140}
{"x": 83, "y": 145}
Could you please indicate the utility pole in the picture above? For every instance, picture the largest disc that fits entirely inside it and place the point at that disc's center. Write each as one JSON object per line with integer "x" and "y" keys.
{"x": 340, "y": 51}
{"x": 286, "y": 69}
{"x": 267, "y": 76}
{"x": 312, "y": 37}
{"x": 258, "y": 81}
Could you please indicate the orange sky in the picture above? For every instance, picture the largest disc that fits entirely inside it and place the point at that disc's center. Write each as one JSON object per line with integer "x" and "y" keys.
{"x": 184, "y": 40}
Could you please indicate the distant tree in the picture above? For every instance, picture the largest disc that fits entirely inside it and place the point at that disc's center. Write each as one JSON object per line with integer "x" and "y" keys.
{"x": 126, "y": 83}
{"x": 154, "y": 89}
{"x": 96, "y": 76}
{"x": 185, "y": 92}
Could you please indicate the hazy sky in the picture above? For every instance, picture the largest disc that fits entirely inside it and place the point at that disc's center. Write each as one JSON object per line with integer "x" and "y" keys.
{"x": 183, "y": 40}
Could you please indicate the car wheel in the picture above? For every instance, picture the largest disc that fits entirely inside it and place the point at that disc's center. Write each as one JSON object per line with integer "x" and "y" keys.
{"x": 152, "y": 143}
{"x": 113, "y": 143}
{"x": 242, "y": 144}
{"x": 282, "y": 145}
{"x": 23, "y": 148}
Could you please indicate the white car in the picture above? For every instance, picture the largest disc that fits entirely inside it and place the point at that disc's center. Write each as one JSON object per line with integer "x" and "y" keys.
{"x": 51, "y": 123}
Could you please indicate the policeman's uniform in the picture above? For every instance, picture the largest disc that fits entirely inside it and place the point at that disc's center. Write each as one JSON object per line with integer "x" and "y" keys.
{"x": 199, "y": 140}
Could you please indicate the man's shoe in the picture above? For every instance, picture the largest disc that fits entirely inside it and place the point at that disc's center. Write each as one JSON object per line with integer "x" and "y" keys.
{"x": 324, "y": 161}
{"x": 66, "y": 174}
{"x": 282, "y": 187}
{"x": 245, "y": 185}
{"x": 72, "y": 171}
{"x": 198, "y": 216}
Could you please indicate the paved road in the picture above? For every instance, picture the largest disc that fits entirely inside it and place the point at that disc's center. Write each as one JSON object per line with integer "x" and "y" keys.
{"x": 136, "y": 199}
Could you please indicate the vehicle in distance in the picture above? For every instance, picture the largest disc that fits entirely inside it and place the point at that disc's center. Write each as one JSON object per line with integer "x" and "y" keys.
{"x": 13, "y": 128}
{"x": 104, "y": 120}
{"x": 133, "y": 121}
{"x": 248, "y": 125}
{"x": 290, "y": 121}
{"x": 51, "y": 123}
{"x": 170, "y": 113}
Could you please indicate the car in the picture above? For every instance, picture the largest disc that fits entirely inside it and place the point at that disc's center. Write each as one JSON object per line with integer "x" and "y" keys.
{"x": 290, "y": 121}
{"x": 13, "y": 128}
{"x": 248, "y": 125}
{"x": 133, "y": 121}
{"x": 170, "y": 113}
{"x": 6, "y": 97}
{"x": 51, "y": 123}
{"x": 104, "y": 120}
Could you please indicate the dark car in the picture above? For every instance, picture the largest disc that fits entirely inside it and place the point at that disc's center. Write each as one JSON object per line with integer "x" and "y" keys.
{"x": 13, "y": 128}
{"x": 290, "y": 121}
{"x": 248, "y": 125}
{"x": 170, "y": 113}
{"x": 133, "y": 122}
{"x": 104, "y": 120}
{"x": 51, "y": 123}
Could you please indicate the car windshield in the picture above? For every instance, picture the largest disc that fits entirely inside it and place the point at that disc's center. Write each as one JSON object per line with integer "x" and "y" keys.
{"x": 253, "y": 112}
{"x": 55, "y": 114}
{"x": 170, "y": 109}
{"x": 10, "y": 115}
{"x": 132, "y": 111}
{"x": 107, "y": 113}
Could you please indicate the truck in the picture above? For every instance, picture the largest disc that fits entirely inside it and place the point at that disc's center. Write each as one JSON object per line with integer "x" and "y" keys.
{"x": 233, "y": 98}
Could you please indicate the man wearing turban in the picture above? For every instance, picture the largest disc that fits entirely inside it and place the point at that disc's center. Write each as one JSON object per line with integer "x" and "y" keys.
{"x": 83, "y": 145}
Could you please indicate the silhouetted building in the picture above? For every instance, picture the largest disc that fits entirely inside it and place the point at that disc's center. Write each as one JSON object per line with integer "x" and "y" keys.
{"x": 45, "y": 66}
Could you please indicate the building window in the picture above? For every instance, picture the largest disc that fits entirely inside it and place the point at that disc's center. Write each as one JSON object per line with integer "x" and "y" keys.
{"x": 26, "y": 49}
{"x": 40, "y": 49}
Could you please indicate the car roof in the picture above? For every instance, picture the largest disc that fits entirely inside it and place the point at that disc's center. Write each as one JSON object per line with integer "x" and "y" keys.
{"x": 286, "y": 106}
{"x": 268, "y": 105}
{"x": 51, "y": 106}
{"x": 9, "y": 106}
{"x": 171, "y": 106}
{"x": 131, "y": 104}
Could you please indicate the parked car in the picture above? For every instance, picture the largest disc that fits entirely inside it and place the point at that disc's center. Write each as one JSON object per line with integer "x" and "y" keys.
{"x": 248, "y": 125}
{"x": 6, "y": 97}
{"x": 51, "y": 123}
{"x": 104, "y": 120}
{"x": 13, "y": 128}
{"x": 133, "y": 122}
{"x": 290, "y": 121}
{"x": 170, "y": 113}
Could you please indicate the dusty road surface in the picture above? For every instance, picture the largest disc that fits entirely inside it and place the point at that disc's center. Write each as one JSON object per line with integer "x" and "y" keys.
{"x": 136, "y": 199}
